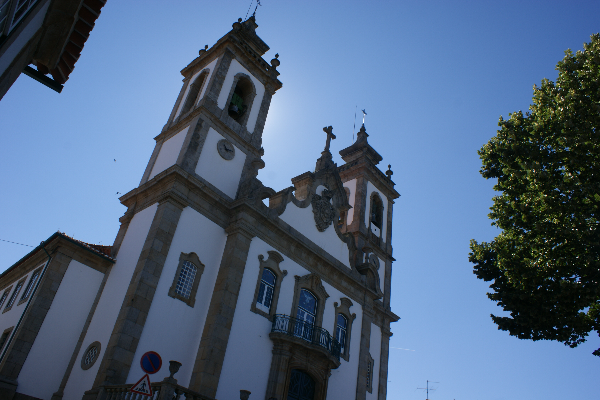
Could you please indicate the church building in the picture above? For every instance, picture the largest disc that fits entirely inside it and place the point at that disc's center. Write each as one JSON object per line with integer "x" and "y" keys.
{"x": 207, "y": 289}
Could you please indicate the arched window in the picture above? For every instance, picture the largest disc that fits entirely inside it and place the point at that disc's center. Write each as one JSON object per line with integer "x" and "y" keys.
{"x": 193, "y": 92}
{"x": 241, "y": 99}
{"x": 341, "y": 332}
{"x": 376, "y": 211}
{"x": 306, "y": 314}
{"x": 266, "y": 290}
{"x": 268, "y": 285}
{"x": 302, "y": 386}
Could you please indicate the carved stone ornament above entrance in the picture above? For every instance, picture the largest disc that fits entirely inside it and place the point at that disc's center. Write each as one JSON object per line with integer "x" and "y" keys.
{"x": 323, "y": 210}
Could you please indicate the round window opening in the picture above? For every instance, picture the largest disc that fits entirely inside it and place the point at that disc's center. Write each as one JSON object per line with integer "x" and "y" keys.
{"x": 90, "y": 355}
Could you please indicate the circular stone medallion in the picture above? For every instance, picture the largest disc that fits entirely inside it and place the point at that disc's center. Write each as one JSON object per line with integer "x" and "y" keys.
{"x": 225, "y": 149}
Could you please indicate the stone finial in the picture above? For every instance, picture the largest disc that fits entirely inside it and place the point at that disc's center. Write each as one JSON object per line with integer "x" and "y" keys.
{"x": 389, "y": 172}
{"x": 244, "y": 394}
{"x": 173, "y": 368}
{"x": 239, "y": 20}
{"x": 275, "y": 62}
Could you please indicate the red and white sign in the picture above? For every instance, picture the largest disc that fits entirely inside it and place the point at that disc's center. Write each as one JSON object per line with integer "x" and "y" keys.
{"x": 142, "y": 386}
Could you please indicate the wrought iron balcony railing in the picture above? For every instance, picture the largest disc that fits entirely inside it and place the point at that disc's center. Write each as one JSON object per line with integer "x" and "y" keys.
{"x": 306, "y": 331}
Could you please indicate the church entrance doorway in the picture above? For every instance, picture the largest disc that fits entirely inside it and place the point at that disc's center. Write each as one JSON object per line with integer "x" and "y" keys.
{"x": 302, "y": 386}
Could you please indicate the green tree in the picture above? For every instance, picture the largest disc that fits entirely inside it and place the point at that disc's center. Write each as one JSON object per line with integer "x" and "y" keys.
{"x": 544, "y": 266}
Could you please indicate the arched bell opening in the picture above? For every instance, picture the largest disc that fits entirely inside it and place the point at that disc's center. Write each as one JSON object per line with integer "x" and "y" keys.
{"x": 376, "y": 211}
{"x": 193, "y": 92}
{"x": 241, "y": 99}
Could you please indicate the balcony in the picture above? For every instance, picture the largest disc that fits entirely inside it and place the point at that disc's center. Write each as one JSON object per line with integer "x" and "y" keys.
{"x": 307, "y": 332}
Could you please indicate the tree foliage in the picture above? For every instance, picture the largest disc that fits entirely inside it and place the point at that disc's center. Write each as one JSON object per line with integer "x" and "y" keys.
{"x": 544, "y": 267}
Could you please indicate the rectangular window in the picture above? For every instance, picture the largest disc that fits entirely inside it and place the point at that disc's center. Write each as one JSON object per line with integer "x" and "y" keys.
{"x": 21, "y": 9}
{"x": 4, "y": 296}
{"x": 186, "y": 279}
{"x": 370, "y": 363}
{"x": 31, "y": 284}
{"x": 4, "y": 337}
{"x": 14, "y": 295}
{"x": 4, "y": 8}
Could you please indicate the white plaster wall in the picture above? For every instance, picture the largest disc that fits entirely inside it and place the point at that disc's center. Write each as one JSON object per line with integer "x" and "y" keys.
{"x": 210, "y": 68}
{"x": 173, "y": 329}
{"x": 60, "y": 331}
{"x": 370, "y": 189}
{"x": 11, "y": 317}
{"x": 249, "y": 351}
{"x": 13, "y": 51}
{"x": 302, "y": 219}
{"x": 342, "y": 382}
{"x": 223, "y": 174}
{"x": 111, "y": 301}
{"x": 234, "y": 69}
{"x": 169, "y": 152}
{"x": 351, "y": 185}
{"x": 375, "y": 350}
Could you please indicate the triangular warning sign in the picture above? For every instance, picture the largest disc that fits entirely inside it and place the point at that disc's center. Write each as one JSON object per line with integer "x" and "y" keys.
{"x": 142, "y": 386}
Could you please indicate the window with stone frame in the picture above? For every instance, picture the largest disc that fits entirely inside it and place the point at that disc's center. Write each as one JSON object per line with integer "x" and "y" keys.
{"x": 241, "y": 98}
{"x": 187, "y": 278}
{"x": 4, "y": 296}
{"x": 4, "y": 337}
{"x": 370, "y": 365}
{"x": 303, "y": 306}
{"x": 270, "y": 276}
{"x": 14, "y": 295}
{"x": 30, "y": 285}
{"x": 343, "y": 326}
{"x": 193, "y": 92}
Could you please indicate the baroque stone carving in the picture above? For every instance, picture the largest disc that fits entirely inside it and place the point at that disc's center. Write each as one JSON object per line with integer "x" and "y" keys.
{"x": 323, "y": 210}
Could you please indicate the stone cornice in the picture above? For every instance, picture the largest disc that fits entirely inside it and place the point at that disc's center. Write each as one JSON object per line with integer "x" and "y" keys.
{"x": 253, "y": 220}
{"x": 202, "y": 112}
{"x": 364, "y": 166}
{"x": 232, "y": 42}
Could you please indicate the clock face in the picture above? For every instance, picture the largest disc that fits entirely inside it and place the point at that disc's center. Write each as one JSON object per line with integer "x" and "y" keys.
{"x": 225, "y": 149}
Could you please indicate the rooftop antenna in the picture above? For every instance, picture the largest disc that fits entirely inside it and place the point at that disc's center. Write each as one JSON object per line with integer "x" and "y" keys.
{"x": 354, "y": 129}
{"x": 427, "y": 388}
{"x": 250, "y": 6}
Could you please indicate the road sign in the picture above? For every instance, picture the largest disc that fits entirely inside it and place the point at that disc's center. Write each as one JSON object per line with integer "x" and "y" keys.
{"x": 151, "y": 362}
{"x": 142, "y": 386}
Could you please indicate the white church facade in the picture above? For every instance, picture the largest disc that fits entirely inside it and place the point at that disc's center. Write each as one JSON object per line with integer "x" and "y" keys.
{"x": 285, "y": 301}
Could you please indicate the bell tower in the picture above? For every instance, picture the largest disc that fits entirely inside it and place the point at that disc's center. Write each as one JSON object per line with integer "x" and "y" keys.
{"x": 214, "y": 131}
{"x": 371, "y": 195}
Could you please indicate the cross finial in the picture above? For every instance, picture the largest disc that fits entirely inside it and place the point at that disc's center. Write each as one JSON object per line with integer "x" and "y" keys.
{"x": 364, "y": 115}
{"x": 330, "y": 135}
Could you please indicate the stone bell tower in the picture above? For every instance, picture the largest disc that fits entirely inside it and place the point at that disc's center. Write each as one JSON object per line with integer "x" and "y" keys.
{"x": 372, "y": 196}
{"x": 215, "y": 129}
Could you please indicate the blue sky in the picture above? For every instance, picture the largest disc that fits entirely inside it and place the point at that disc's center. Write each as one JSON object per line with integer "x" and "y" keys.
{"x": 434, "y": 78}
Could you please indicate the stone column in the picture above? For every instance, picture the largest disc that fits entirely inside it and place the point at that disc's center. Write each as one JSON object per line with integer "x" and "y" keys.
{"x": 278, "y": 372}
{"x": 363, "y": 360}
{"x": 383, "y": 361}
{"x": 130, "y": 323}
{"x": 213, "y": 344}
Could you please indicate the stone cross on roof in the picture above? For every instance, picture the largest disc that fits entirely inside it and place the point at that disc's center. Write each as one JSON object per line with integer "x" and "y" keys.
{"x": 330, "y": 135}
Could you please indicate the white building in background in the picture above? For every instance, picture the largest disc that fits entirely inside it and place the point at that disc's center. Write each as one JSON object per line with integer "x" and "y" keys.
{"x": 286, "y": 301}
